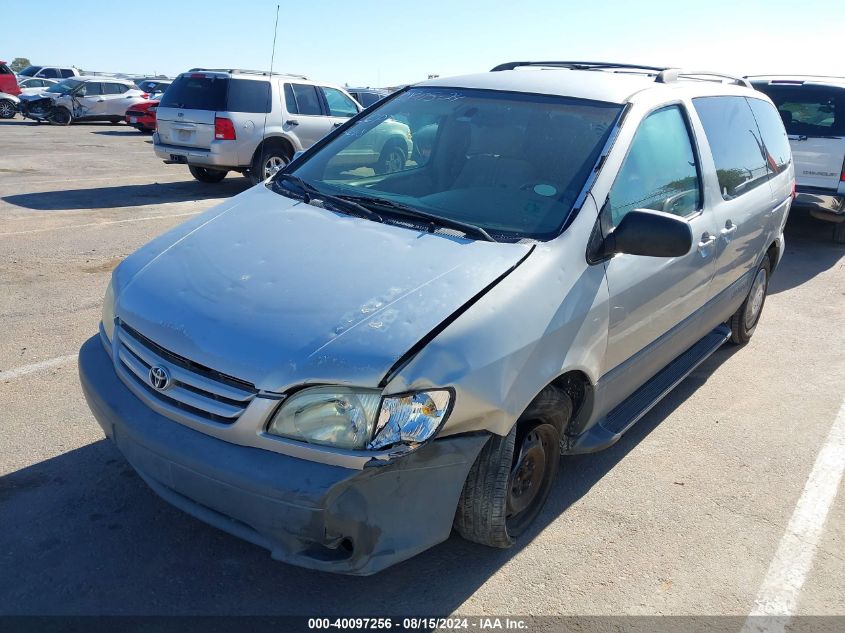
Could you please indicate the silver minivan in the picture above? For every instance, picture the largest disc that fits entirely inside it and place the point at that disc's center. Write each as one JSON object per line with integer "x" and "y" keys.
{"x": 341, "y": 365}
{"x": 253, "y": 122}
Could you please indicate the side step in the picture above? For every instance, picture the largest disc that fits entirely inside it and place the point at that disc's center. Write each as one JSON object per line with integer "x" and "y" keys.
{"x": 609, "y": 429}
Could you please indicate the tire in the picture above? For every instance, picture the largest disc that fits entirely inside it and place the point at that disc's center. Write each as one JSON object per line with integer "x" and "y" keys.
{"x": 60, "y": 116}
{"x": 207, "y": 175}
{"x": 7, "y": 109}
{"x": 502, "y": 495}
{"x": 117, "y": 120}
{"x": 744, "y": 321}
{"x": 392, "y": 158}
{"x": 272, "y": 158}
{"x": 839, "y": 232}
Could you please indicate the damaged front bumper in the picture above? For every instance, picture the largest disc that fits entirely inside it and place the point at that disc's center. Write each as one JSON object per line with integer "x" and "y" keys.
{"x": 309, "y": 514}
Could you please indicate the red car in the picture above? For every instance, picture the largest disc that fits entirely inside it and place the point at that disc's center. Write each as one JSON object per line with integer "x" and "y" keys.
{"x": 142, "y": 116}
{"x": 8, "y": 81}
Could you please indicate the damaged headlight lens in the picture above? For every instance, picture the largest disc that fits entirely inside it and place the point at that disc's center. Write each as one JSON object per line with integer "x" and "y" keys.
{"x": 108, "y": 312}
{"x": 410, "y": 418}
{"x": 359, "y": 419}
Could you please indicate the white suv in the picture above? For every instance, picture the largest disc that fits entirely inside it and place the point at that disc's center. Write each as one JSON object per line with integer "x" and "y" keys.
{"x": 216, "y": 121}
{"x": 813, "y": 112}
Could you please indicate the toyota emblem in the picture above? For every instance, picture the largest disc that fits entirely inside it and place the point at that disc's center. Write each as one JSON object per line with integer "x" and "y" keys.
{"x": 159, "y": 378}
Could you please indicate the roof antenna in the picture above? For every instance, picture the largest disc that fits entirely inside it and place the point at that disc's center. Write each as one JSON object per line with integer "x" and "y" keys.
{"x": 270, "y": 85}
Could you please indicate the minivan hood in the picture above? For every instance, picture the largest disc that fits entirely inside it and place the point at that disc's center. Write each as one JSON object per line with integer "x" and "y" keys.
{"x": 279, "y": 293}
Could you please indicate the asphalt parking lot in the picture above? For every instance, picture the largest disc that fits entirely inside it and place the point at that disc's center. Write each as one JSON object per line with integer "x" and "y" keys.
{"x": 683, "y": 516}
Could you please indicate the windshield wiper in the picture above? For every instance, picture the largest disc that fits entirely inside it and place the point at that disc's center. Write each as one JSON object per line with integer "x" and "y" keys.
{"x": 310, "y": 192}
{"x": 409, "y": 211}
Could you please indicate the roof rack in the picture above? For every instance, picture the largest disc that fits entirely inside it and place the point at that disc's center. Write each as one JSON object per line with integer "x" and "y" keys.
{"x": 670, "y": 75}
{"x": 244, "y": 71}
{"x": 575, "y": 65}
{"x": 661, "y": 75}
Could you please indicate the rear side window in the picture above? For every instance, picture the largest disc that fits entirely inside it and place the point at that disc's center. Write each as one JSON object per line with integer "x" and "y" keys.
{"x": 775, "y": 142}
{"x": 196, "y": 93}
{"x": 809, "y": 110}
{"x": 303, "y": 99}
{"x": 114, "y": 89}
{"x": 735, "y": 141}
{"x": 67, "y": 72}
{"x": 246, "y": 95}
{"x": 660, "y": 171}
{"x": 339, "y": 104}
{"x": 51, "y": 73}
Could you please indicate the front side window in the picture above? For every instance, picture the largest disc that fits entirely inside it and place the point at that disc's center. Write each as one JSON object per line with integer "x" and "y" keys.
{"x": 660, "y": 171}
{"x": 513, "y": 164}
{"x": 339, "y": 104}
{"x": 67, "y": 72}
{"x": 90, "y": 89}
{"x": 52, "y": 73}
{"x": 734, "y": 139}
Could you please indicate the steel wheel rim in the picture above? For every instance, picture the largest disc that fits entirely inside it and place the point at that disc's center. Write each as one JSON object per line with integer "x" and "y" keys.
{"x": 755, "y": 299}
{"x": 273, "y": 165}
{"x": 527, "y": 475}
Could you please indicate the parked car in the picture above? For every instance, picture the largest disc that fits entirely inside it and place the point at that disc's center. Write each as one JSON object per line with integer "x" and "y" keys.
{"x": 8, "y": 81}
{"x": 49, "y": 72}
{"x": 90, "y": 98}
{"x": 8, "y": 105}
{"x": 154, "y": 86}
{"x": 142, "y": 116}
{"x": 813, "y": 111}
{"x": 216, "y": 121}
{"x": 342, "y": 366}
{"x": 367, "y": 96}
{"x": 35, "y": 86}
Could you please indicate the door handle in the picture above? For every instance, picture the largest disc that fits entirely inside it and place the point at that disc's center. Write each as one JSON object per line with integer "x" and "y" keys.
{"x": 100, "y": 100}
{"x": 291, "y": 122}
{"x": 337, "y": 125}
{"x": 729, "y": 230}
{"x": 706, "y": 241}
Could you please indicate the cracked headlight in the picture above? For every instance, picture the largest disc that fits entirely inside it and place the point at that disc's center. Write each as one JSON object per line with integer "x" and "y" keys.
{"x": 360, "y": 419}
{"x": 108, "y": 312}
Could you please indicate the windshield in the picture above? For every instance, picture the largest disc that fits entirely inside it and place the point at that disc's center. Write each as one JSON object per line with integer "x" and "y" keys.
{"x": 65, "y": 86}
{"x": 29, "y": 71}
{"x": 512, "y": 164}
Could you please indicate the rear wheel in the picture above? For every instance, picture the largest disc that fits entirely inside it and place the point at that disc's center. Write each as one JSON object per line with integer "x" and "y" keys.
{"x": 513, "y": 475}
{"x": 392, "y": 158}
{"x": 207, "y": 175}
{"x": 744, "y": 320}
{"x": 7, "y": 109}
{"x": 271, "y": 159}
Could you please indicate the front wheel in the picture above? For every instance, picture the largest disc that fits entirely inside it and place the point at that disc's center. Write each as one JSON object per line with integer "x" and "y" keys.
{"x": 7, "y": 109}
{"x": 513, "y": 475}
{"x": 744, "y": 320}
{"x": 391, "y": 159}
{"x": 207, "y": 175}
{"x": 60, "y": 116}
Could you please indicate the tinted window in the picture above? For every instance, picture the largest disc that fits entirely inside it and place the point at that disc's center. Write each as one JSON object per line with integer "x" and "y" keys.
{"x": 114, "y": 89}
{"x": 735, "y": 143}
{"x": 290, "y": 100}
{"x": 660, "y": 170}
{"x": 196, "y": 93}
{"x": 90, "y": 89}
{"x": 511, "y": 163}
{"x": 67, "y": 72}
{"x": 307, "y": 99}
{"x": 52, "y": 73}
{"x": 4, "y": 70}
{"x": 339, "y": 104}
{"x": 775, "y": 141}
{"x": 367, "y": 99}
{"x": 29, "y": 71}
{"x": 809, "y": 110}
{"x": 246, "y": 95}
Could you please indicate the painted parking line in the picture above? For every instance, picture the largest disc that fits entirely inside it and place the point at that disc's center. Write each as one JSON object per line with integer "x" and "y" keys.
{"x": 779, "y": 594}
{"x": 106, "y": 223}
{"x": 25, "y": 370}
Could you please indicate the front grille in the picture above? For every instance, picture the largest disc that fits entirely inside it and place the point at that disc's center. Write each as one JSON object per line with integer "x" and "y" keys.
{"x": 194, "y": 392}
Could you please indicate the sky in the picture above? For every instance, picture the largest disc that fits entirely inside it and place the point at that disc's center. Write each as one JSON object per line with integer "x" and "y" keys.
{"x": 374, "y": 43}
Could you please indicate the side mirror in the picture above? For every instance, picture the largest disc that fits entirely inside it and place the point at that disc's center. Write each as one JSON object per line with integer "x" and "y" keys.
{"x": 649, "y": 233}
